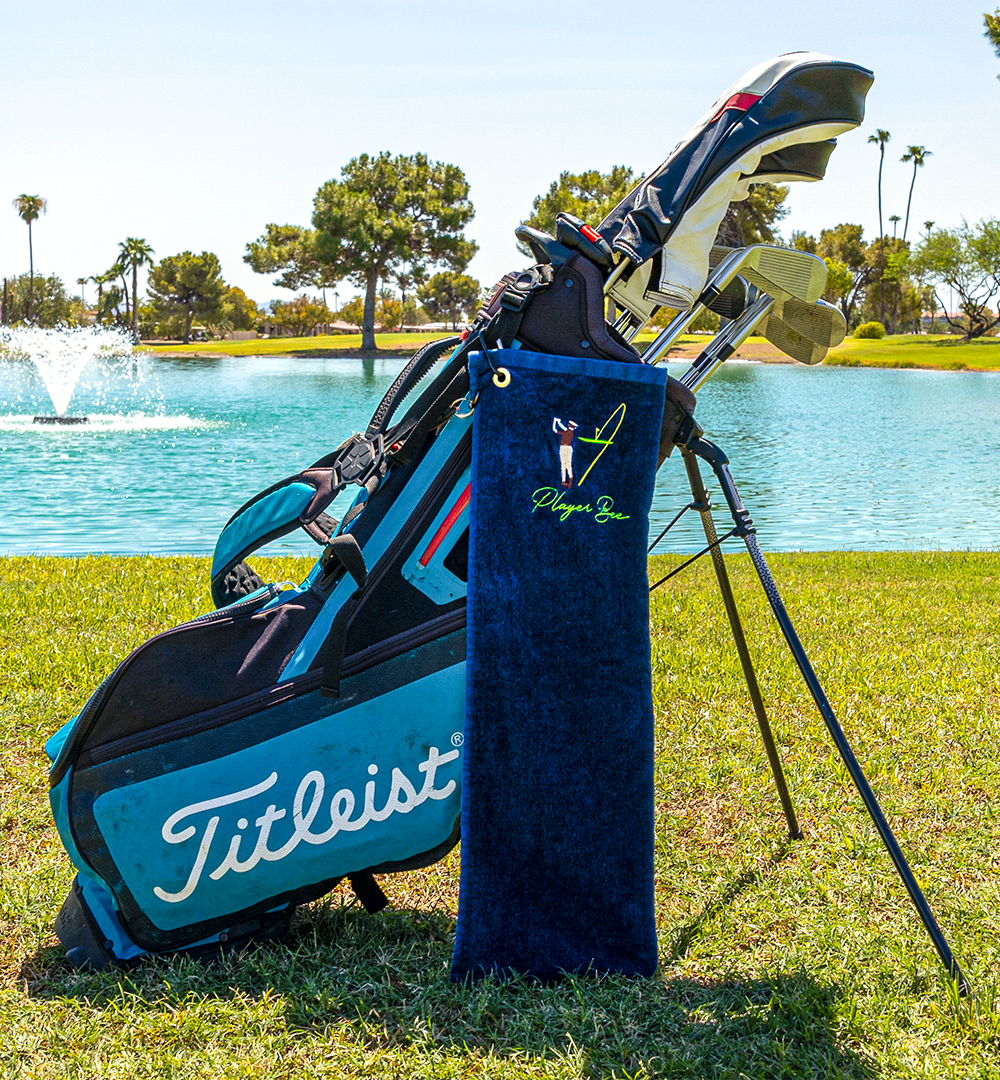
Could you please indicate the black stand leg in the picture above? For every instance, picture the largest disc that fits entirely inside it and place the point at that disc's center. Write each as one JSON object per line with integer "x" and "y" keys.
{"x": 744, "y": 527}
{"x": 702, "y": 505}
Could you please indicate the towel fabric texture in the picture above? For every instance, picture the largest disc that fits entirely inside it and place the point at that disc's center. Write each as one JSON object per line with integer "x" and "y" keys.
{"x": 557, "y": 801}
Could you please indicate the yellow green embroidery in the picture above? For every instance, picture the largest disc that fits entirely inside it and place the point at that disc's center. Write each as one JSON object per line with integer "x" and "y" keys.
{"x": 600, "y": 440}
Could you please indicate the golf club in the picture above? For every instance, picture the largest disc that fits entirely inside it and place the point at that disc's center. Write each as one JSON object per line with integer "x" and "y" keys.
{"x": 782, "y": 273}
{"x": 820, "y": 322}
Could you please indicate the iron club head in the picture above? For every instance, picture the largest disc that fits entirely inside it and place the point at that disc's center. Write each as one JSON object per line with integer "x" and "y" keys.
{"x": 790, "y": 341}
{"x": 820, "y": 322}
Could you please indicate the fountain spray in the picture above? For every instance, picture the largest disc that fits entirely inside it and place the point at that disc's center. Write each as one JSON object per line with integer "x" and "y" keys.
{"x": 60, "y": 356}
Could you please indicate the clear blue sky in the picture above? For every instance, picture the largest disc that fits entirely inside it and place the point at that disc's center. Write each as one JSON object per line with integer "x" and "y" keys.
{"x": 193, "y": 124}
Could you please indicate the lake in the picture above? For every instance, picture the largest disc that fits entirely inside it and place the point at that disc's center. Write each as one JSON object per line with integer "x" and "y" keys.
{"x": 824, "y": 457}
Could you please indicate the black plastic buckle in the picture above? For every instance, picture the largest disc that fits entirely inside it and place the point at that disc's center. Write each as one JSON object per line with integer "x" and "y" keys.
{"x": 688, "y": 429}
{"x": 361, "y": 459}
{"x": 530, "y": 281}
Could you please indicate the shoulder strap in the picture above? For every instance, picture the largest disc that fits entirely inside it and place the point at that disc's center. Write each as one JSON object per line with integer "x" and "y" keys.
{"x": 298, "y": 501}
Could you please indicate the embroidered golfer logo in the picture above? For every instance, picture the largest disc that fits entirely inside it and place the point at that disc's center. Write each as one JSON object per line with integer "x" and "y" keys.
{"x": 566, "y": 433}
{"x": 604, "y": 436}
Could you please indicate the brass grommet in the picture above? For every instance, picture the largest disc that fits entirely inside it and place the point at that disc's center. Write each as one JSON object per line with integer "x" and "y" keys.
{"x": 501, "y": 377}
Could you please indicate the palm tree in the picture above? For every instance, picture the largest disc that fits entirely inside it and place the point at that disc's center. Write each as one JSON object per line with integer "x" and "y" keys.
{"x": 134, "y": 252}
{"x": 895, "y": 219}
{"x": 100, "y": 280}
{"x": 82, "y": 282}
{"x": 918, "y": 155}
{"x": 881, "y": 138}
{"x": 28, "y": 208}
{"x": 928, "y": 225}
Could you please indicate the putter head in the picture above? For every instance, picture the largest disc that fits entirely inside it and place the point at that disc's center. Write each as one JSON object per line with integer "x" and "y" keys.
{"x": 790, "y": 341}
{"x": 820, "y": 322}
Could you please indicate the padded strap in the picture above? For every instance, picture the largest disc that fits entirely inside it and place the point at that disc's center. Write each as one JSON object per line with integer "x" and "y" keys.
{"x": 299, "y": 501}
{"x": 296, "y": 502}
{"x": 342, "y": 551}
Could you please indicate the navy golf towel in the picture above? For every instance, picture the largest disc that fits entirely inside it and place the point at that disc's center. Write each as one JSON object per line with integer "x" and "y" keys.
{"x": 557, "y": 797}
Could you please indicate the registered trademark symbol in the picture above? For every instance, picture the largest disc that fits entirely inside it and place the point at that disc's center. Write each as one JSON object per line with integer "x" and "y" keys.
{"x": 457, "y": 739}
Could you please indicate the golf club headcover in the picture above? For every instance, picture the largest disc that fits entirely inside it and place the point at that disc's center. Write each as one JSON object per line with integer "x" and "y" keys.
{"x": 749, "y": 135}
{"x": 557, "y": 799}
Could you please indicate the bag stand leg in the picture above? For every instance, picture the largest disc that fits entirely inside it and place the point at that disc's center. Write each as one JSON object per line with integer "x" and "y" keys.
{"x": 744, "y": 528}
{"x": 703, "y": 506}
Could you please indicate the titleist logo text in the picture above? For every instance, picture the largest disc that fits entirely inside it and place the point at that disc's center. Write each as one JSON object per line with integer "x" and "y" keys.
{"x": 403, "y": 797}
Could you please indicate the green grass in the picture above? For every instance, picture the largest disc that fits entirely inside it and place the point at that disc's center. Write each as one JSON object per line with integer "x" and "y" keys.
{"x": 939, "y": 351}
{"x": 901, "y": 351}
{"x": 778, "y": 959}
{"x": 322, "y": 345}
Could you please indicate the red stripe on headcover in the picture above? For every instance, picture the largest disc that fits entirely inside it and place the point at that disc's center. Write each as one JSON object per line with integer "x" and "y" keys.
{"x": 737, "y": 101}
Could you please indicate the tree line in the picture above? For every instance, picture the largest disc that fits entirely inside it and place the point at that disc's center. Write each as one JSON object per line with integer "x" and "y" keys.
{"x": 394, "y": 228}
{"x": 388, "y": 221}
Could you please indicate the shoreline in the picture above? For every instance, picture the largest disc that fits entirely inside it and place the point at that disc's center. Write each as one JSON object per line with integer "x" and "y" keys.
{"x": 902, "y": 351}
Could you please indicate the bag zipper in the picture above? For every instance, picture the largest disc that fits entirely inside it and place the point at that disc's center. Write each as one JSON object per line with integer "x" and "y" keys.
{"x": 299, "y": 686}
{"x": 89, "y": 713}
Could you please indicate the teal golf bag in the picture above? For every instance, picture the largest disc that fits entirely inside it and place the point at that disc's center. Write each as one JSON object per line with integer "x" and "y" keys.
{"x": 245, "y": 762}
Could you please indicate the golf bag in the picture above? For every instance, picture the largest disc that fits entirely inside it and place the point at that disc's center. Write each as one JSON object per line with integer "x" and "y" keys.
{"x": 245, "y": 762}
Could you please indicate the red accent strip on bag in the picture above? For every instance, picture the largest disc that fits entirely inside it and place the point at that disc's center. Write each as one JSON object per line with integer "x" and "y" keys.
{"x": 591, "y": 234}
{"x": 739, "y": 101}
{"x": 453, "y": 515}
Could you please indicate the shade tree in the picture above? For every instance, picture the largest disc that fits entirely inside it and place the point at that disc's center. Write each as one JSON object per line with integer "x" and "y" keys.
{"x": 188, "y": 284}
{"x": 590, "y": 195}
{"x": 352, "y": 312}
{"x": 448, "y": 296}
{"x": 244, "y": 314}
{"x": 300, "y": 316}
{"x": 967, "y": 261}
{"x": 850, "y": 270}
{"x": 38, "y": 299}
{"x": 755, "y": 219}
{"x": 383, "y": 212}
{"x": 289, "y": 251}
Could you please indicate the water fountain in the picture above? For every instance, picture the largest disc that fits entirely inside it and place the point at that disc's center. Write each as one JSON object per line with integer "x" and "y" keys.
{"x": 60, "y": 356}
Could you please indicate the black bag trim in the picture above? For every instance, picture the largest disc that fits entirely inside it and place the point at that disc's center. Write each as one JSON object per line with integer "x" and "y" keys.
{"x": 89, "y": 784}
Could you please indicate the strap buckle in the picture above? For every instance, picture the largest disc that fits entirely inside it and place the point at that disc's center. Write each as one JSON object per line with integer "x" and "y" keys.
{"x": 530, "y": 281}
{"x": 361, "y": 459}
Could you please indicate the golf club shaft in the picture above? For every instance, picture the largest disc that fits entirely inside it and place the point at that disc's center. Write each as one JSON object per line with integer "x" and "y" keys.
{"x": 725, "y": 343}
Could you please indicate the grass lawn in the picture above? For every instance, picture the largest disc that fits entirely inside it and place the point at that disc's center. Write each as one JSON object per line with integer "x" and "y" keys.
{"x": 322, "y": 345}
{"x": 919, "y": 351}
{"x": 900, "y": 351}
{"x": 778, "y": 959}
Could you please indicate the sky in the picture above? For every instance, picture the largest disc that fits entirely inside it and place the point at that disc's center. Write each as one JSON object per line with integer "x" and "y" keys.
{"x": 194, "y": 124}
